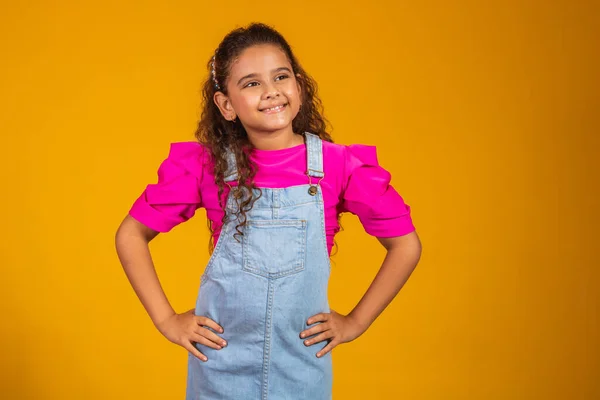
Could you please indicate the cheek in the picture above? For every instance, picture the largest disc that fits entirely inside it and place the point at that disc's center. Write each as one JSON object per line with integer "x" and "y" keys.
{"x": 293, "y": 96}
{"x": 245, "y": 103}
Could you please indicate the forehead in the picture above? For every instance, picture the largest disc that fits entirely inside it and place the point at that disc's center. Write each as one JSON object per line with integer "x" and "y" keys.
{"x": 260, "y": 59}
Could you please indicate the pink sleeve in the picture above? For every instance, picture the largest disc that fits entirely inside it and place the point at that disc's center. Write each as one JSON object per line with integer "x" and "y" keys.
{"x": 369, "y": 195}
{"x": 176, "y": 196}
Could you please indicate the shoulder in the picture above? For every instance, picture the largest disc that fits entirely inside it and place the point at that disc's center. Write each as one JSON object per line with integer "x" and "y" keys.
{"x": 351, "y": 155}
{"x": 186, "y": 150}
{"x": 191, "y": 157}
{"x": 352, "y": 164}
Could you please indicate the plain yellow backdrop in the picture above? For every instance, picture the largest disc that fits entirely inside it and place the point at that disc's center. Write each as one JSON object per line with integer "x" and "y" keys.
{"x": 485, "y": 113}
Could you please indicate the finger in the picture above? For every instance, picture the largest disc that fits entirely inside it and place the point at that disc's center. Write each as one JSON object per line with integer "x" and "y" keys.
{"x": 190, "y": 347}
{"x": 196, "y": 337}
{"x": 319, "y": 338}
{"x": 314, "y": 330}
{"x": 327, "y": 348}
{"x": 209, "y": 335}
{"x": 202, "y": 320}
{"x": 321, "y": 317}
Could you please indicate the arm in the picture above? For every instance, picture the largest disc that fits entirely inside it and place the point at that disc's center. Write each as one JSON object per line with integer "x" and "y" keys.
{"x": 132, "y": 241}
{"x": 403, "y": 253}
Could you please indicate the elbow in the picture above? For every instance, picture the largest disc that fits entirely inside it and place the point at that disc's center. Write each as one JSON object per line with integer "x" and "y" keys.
{"x": 418, "y": 249}
{"x": 131, "y": 229}
{"x": 409, "y": 245}
{"x": 122, "y": 236}
{"x": 413, "y": 246}
{"x": 417, "y": 243}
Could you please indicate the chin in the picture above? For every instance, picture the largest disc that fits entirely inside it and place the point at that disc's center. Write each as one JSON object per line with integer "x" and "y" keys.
{"x": 274, "y": 126}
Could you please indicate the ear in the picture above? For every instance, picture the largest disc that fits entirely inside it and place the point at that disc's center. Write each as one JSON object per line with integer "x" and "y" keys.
{"x": 224, "y": 104}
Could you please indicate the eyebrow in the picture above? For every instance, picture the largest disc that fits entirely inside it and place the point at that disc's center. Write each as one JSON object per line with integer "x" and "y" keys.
{"x": 254, "y": 75}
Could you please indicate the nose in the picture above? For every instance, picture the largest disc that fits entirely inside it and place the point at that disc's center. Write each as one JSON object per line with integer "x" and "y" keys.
{"x": 270, "y": 92}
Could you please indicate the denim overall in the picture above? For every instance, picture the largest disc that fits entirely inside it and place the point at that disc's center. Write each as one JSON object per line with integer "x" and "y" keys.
{"x": 261, "y": 289}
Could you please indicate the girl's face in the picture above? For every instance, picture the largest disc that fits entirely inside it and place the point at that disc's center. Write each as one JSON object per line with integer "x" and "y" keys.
{"x": 262, "y": 91}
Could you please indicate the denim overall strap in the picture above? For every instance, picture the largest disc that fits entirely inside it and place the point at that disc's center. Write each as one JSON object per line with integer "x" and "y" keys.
{"x": 231, "y": 174}
{"x": 314, "y": 155}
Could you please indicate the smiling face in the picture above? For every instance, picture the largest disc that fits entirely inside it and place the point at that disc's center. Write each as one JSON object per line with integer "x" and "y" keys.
{"x": 262, "y": 91}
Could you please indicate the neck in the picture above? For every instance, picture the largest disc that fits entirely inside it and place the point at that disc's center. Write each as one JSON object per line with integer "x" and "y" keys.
{"x": 275, "y": 140}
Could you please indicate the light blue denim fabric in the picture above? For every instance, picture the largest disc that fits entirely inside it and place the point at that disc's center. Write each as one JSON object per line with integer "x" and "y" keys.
{"x": 262, "y": 290}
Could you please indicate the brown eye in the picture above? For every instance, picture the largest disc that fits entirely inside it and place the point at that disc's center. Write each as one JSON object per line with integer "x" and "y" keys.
{"x": 281, "y": 76}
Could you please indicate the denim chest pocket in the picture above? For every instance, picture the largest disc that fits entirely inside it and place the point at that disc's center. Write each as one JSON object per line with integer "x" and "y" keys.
{"x": 274, "y": 248}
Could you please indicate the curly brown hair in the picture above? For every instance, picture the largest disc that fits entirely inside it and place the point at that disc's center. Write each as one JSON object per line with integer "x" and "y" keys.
{"x": 218, "y": 134}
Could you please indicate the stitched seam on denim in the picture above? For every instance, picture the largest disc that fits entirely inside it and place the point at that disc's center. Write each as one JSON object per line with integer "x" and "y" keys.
{"x": 323, "y": 230}
{"x": 257, "y": 205}
{"x": 284, "y": 206}
{"x": 216, "y": 252}
{"x": 299, "y": 204}
{"x": 267, "y": 344}
{"x": 314, "y": 199}
{"x": 282, "y": 188}
{"x": 276, "y": 194}
{"x": 276, "y": 222}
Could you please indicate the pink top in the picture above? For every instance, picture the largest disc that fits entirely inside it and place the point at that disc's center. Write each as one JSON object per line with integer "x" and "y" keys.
{"x": 354, "y": 182}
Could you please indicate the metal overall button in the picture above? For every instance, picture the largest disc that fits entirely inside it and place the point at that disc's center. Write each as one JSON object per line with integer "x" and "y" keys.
{"x": 312, "y": 189}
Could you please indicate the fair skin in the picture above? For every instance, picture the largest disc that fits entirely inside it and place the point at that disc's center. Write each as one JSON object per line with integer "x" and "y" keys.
{"x": 261, "y": 79}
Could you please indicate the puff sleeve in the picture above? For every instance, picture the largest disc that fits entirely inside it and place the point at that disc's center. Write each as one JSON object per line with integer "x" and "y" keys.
{"x": 176, "y": 196}
{"x": 368, "y": 194}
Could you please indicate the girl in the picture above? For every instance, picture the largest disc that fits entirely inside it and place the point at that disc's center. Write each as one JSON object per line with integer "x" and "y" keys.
{"x": 273, "y": 184}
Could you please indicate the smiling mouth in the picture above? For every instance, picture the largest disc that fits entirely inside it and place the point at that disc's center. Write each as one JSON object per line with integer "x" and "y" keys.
{"x": 275, "y": 109}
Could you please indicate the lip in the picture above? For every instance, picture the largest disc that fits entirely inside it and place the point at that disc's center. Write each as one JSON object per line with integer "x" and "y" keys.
{"x": 277, "y": 110}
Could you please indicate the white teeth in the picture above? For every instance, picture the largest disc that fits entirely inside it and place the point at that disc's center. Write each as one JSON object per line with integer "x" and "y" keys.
{"x": 274, "y": 108}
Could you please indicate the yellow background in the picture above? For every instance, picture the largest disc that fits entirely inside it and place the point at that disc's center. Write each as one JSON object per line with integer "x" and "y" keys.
{"x": 485, "y": 113}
